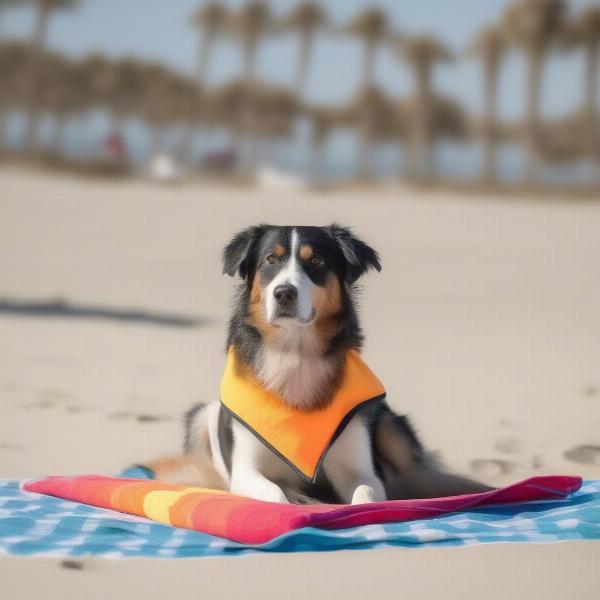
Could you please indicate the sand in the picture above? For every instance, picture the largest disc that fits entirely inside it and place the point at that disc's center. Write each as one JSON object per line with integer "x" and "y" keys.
{"x": 484, "y": 326}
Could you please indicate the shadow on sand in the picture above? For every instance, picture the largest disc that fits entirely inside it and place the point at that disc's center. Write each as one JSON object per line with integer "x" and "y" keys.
{"x": 66, "y": 310}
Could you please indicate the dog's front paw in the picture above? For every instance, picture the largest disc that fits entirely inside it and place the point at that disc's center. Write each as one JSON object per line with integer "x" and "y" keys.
{"x": 363, "y": 494}
{"x": 260, "y": 489}
{"x": 269, "y": 492}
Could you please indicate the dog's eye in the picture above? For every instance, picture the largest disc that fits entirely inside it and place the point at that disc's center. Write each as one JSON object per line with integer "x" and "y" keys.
{"x": 316, "y": 260}
{"x": 271, "y": 258}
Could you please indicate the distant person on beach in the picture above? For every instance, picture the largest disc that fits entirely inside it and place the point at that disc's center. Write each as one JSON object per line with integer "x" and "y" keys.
{"x": 114, "y": 147}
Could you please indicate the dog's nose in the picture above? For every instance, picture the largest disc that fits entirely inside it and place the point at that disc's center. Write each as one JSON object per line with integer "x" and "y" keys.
{"x": 285, "y": 294}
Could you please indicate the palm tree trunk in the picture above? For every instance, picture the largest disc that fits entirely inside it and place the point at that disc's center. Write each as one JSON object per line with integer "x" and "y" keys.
{"x": 364, "y": 151}
{"x": 37, "y": 45}
{"x": 591, "y": 106}
{"x": 368, "y": 68}
{"x": 420, "y": 147}
{"x": 204, "y": 55}
{"x": 364, "y": 148}
{"x": 250, "y": 48}
{"x": 318, "y": 143}
{"x": 490, "y": 67}
{"x": 58, "y": 133}
{"x": 3, "y": 127}
{"x": 156, "y": 141}
{"x": 186, "y": 142}
{"x": 535, "y": 65}
{"x": 306, "y": 42}
{"x": 236, "y": 143}
{"x": 247, "y": 116}
{"x": 591, "y": 79}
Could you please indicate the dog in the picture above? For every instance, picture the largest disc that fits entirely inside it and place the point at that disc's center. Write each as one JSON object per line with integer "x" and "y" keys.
{"x": 293, "y": 329}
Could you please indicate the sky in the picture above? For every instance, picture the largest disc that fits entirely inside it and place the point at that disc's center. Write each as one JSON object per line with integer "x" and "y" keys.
{"x": 160, "y": 30}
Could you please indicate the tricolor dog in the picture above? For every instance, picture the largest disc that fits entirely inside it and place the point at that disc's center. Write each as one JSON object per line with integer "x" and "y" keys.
{"x": 301, "y": 417}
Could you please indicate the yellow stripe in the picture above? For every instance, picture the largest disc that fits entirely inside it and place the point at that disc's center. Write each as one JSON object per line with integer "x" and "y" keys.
{"x": 158, "y": 504}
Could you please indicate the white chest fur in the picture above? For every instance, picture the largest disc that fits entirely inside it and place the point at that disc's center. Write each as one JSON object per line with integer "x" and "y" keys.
{"x": 298, "y": 376}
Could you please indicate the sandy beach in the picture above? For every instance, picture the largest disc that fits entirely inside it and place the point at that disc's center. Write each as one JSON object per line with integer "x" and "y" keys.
{"x": 484, "y": 326}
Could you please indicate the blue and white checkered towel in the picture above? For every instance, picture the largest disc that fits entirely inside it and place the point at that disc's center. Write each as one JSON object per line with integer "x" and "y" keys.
{"x": 32, "y": 524}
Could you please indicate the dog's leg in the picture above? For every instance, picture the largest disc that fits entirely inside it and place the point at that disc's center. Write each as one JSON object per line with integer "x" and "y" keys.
{"x": 246, "y": 478}
{"x": 410, "y": 471}
{"x": 364, "y": 494}
{"x": 247, "y": 482}
{"x": 349, "y": 466}
{"x": 196, "y": 466}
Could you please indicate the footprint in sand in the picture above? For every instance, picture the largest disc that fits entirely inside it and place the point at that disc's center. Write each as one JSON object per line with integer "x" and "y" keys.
{"x": 490, "y": 467}
{"x": 537, "y": 462}
{"x": 509, "y": 445}
{"x": 506, "y": 423}
{"x": 50, "y": 399}
{"x": 585, "y": 454}
{"x": 141, "y": 417}
{"x": 42, "y": 403}
{"x": 72, "y": 564}
{"x": 4, "y": 446}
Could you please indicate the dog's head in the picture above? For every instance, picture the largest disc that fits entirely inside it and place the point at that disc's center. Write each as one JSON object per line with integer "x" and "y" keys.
{"x": 296, "y": 275}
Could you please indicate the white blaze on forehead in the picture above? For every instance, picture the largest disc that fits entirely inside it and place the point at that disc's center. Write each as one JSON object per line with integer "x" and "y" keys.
{"x": 292, "y": 274}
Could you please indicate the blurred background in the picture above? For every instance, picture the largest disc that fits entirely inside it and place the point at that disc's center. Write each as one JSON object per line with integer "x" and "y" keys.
{"x": 460, "y": 139}
{"x": 471, "y": 94}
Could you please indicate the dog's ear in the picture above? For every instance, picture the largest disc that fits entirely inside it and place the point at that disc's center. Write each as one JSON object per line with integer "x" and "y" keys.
{"x": 359, "y": 256}
{"x": 237, "y": 255}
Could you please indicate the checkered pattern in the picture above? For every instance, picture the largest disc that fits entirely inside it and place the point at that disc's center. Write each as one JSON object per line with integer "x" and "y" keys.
{"x": 43, "y": 525}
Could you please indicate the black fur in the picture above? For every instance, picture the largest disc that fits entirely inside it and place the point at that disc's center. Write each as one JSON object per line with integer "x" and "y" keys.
{"x": 188, "y": 421}
{"x": 358, "y": 256}
{"x": 239, "y": 254}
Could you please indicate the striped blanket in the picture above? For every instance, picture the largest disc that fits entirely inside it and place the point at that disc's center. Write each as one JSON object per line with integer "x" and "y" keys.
{"x": 32, "y": 523}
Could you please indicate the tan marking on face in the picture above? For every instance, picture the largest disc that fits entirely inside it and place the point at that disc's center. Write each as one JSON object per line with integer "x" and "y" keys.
{"x": 278, "y": 250}
{"x": 328, "y": 305}
{"x": 256, "y": 311}
{"x": 306, "y": 252}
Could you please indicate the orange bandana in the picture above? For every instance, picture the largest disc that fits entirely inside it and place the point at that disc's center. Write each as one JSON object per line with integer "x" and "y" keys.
{"x": 301, "y": 438}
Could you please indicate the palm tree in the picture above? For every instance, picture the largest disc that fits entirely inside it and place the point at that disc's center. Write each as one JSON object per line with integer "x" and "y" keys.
{"x": 187, "y": 110}
{"x": 210, "y": 20}
{"x": 55, "y": 93}
{"x": 250, "y": 25}
{"x": 534, "y": 26}
{"x": 422, "y": 52}
{"x": 224, "y": 105}
{"x": 156, "y": 102}
{"x": 446, "y": 120}
{"x": 374, "y": 117}
{"x": 586, "y": 31}
{"x": 129, "y": 80}
{"x": 44, "y": 10}
{"x": 372, "y": 27}
{"x": 276, "y": 109}
{"x": 14, "y": 57}
{"x": 7, "y": 68}
{"x": 306, "y": 18}
{"x": 490, "y": 46}
{"x": 323, "y": 120}
{"x": 68, "y": 94}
